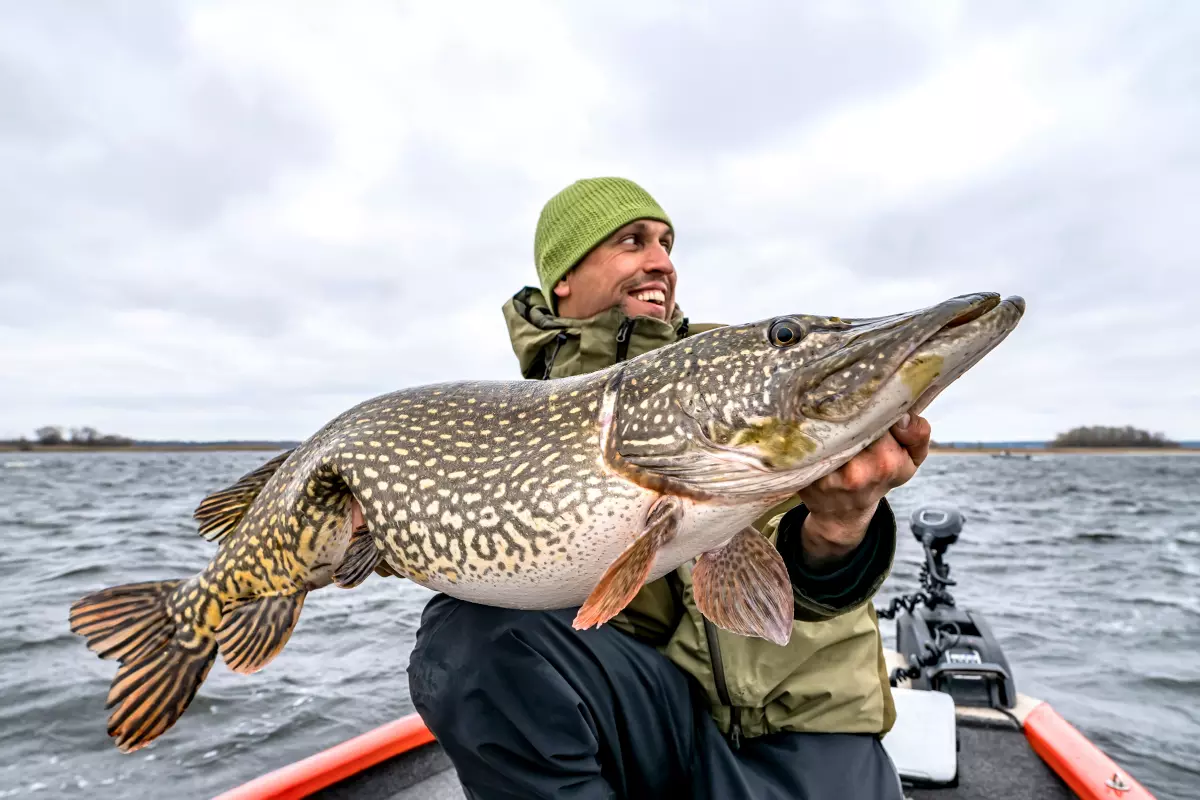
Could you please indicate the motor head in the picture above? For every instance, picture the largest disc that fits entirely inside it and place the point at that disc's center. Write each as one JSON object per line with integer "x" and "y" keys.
{"x": 936, "y": 527}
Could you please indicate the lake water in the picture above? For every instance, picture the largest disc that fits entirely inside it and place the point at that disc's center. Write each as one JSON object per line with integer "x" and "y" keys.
{"x": 1088, "y": 568}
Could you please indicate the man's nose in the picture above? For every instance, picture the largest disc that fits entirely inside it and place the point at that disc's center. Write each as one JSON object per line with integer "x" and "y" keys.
{"x": 658, "y": 260}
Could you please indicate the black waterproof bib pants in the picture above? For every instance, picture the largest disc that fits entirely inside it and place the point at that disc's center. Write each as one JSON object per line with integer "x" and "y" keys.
{"x": 528, "y": 707}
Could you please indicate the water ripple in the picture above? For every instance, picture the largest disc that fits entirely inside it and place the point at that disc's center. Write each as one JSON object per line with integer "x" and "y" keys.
{"x": 1086, "y": 567}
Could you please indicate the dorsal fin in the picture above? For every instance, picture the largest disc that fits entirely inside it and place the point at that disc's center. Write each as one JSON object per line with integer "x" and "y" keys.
{"x": 220, "y": 512}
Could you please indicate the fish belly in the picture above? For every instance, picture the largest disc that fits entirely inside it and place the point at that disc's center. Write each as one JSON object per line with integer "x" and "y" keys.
{"x": 704, "y": 527}
{"x": 513, "y": 564}
{"x": 541, "y": 576}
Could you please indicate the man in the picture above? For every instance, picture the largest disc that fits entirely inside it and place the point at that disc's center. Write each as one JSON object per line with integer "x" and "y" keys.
{"x": 660, "y": 702}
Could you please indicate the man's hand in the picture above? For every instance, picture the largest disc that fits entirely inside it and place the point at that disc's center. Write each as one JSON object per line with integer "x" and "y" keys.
{"x": 841, "y": 505}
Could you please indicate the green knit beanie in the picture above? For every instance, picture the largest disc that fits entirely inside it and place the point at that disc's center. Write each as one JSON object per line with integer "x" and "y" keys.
{"x": 580, "y": 217}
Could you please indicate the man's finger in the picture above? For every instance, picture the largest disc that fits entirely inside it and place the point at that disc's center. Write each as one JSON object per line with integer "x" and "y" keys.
{"x": 914, "y": 438}
{"x": 894, "y": 463}
{"x": 887, "y": 458}
{"x": 869, "y": 466}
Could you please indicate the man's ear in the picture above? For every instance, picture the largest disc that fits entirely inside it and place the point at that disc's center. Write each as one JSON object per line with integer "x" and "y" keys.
{"x": 562, "y": 288}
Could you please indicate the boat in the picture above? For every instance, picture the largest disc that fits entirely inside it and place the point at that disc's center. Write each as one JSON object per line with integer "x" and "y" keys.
{"x": 962, "y": 731}
{"x": 1011, "y": 454}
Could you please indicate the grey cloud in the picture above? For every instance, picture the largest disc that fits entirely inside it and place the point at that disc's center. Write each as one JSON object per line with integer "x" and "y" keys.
{"x": 129, "y": 154}
{"x": 734, "y": 77}
{"x": 1083, "y": 225}
{"x": 431, "y": 179}
{"x": 113, "y": 111}
{"x": 119, "y": 138}
{"x": 1082, "y": 215}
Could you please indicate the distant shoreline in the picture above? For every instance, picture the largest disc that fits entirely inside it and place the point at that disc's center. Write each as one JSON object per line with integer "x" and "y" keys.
{"x": 1033, "y": 451}
{"x": 173, "y": 447}
{"x": 168, "y": 447}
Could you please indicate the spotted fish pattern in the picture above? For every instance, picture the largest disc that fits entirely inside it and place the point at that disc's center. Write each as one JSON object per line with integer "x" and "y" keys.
{"x": 468, "y": 481}
{"x": 539, "y": 494}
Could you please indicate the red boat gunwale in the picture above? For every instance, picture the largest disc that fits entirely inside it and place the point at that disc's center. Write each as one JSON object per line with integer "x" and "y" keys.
{"x": 337, "y": 763}
{"x": 1085, "y": 768}
{"x": 1081, "y": 764}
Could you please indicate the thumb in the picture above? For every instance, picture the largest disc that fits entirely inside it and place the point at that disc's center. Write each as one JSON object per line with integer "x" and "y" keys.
{"x": 912, "y": 432}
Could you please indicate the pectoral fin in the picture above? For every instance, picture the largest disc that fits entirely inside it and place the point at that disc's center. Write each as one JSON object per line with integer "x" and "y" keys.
{"x": 625, "y": 577}
{"x": 744, "y": 587}
{"x": 361, "y": 559}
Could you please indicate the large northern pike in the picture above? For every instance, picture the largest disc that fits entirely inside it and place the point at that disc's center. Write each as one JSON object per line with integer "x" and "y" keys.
{"x": 541, "y": 494}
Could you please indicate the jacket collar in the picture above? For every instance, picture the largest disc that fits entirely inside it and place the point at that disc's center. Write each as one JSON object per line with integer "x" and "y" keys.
{"x": 547, "y": 345}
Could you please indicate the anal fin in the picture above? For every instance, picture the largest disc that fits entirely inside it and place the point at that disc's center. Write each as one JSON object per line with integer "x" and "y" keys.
{"x": 252, "y": 633}
{"x": 361, "y": 559}
{"x": 744, "y": 588}
{"x": 625, "y": 577}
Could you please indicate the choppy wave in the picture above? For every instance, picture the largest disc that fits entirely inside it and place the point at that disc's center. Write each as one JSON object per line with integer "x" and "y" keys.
{"x": 1086, "y": 566}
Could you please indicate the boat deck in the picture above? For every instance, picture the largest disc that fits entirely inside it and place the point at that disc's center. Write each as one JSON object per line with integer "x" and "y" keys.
{"x": 995, "y": 760}
{"x": 421, "y": 774}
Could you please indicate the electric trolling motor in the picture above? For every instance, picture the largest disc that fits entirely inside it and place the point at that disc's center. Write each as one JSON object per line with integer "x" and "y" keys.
{"x": 948, "y": 649}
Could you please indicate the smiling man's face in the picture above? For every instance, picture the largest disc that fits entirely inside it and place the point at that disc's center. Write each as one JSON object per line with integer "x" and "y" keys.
{"x": 631, "y": 268}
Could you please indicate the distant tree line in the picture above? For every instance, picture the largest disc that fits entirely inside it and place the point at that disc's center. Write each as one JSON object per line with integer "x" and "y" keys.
{"x": 53, "y": 435}
{"x": 1101, "y": 436}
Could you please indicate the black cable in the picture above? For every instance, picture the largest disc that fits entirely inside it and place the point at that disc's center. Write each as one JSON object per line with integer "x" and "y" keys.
{"x": 1010, "y": 715}
{"x": 933, "y": 652}
{"x": 906, "y": 602}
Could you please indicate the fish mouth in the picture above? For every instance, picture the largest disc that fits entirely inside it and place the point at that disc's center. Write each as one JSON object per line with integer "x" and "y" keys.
{"x": 976, "y": 307}
{"x": 926, "y": 350}
{"x": 969, "y": 336}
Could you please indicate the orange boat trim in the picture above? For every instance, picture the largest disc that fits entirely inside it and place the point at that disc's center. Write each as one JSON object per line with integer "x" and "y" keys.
{"x": 1084, "y": 767}
{"x": 1088, "y": 772}
{"x": 337, "y": 763}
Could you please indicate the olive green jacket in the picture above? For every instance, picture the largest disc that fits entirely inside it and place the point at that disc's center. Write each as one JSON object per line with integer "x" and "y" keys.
{"x": 831, "y": 676}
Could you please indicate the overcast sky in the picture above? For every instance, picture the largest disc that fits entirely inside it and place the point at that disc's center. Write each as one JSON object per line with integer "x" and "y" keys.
{"x": 236, "y": 219}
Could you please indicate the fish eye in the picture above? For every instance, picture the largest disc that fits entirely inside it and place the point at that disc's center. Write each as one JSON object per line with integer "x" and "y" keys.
{"x": 785, "y": 333}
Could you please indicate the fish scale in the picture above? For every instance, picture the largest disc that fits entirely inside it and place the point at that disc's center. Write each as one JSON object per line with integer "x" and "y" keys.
{"x": 456, "y": 489}
{"x": 541, "y": 494}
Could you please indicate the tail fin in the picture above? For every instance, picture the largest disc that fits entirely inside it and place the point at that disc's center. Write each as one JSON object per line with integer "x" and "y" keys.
{"x": 165, "y": 644}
